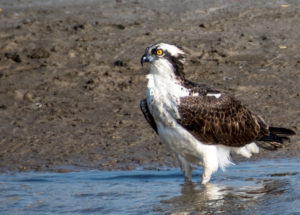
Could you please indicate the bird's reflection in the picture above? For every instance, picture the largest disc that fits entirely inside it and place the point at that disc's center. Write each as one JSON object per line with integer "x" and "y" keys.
{"x": 198, "y": 198}
{"x": 221, "y": 199}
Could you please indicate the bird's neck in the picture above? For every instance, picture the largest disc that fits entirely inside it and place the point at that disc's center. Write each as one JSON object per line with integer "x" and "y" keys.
{"x": 162, "y": 80}
{"x": 167, "y": 70}
{"x": 178, "y": 68}
{"x": 164, "y": 90}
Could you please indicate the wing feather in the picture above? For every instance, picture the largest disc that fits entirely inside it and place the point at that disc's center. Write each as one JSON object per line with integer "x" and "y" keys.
{"x": 147, "y": 114}
{"x": 222, "y": 120}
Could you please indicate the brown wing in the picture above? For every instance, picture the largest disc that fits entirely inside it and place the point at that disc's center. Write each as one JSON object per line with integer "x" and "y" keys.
{"x": 147, "y": 114}
{"x": 222, "y": 120}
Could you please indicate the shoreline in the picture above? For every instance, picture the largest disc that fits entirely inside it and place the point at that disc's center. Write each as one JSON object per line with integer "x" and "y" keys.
{"x": 71, "y": 81}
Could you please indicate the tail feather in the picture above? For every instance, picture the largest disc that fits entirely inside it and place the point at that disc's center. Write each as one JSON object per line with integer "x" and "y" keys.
{"x": 281, "y": 131}
{"x": 276, "y": 138}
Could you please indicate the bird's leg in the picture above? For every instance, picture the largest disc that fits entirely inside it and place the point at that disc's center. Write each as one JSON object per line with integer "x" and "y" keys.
{"x": 186, "y": 168}
{"x": 207, "y": 172}
{"x": 210, "y": 165}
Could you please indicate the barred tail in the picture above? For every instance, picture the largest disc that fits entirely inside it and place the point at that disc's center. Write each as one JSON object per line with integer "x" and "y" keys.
{"x": 276, "y": 138}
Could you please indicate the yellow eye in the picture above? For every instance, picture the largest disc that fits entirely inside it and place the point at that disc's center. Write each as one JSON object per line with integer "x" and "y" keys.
{"x": 159, "y": 52}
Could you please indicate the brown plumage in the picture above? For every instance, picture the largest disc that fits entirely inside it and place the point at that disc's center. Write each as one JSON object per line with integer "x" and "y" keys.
{"x": 222, "y": 120}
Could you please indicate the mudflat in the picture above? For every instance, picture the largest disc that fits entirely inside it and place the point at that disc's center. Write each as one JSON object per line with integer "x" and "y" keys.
{"x": 71, "y": 79}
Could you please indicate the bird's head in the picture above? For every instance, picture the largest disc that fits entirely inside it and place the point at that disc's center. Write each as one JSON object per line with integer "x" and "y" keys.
{"x": 165, "y": 58}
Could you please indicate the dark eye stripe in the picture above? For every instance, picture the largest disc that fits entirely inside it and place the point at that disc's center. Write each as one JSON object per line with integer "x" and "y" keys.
{"x": 154, "y": 51}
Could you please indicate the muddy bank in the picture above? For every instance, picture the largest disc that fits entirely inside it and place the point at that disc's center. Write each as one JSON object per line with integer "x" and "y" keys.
{"x": 71, "y": 82}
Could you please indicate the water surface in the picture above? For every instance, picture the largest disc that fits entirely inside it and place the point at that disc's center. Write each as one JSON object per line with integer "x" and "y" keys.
{"x": 261, "y": 187}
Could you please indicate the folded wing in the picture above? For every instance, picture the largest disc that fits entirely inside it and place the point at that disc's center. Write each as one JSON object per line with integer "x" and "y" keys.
{"x": 217, "y": 118}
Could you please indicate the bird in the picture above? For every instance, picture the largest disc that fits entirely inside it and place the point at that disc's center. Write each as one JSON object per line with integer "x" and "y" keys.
{"x": 201, "y": 124}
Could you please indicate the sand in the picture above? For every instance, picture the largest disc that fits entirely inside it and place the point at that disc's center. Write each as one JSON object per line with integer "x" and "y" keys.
{"x": 71, "y": 79}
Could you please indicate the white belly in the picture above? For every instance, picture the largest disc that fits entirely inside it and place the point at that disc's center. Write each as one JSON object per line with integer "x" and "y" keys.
{"x": 186, "y": 145}
{"x": 181, "y": 142}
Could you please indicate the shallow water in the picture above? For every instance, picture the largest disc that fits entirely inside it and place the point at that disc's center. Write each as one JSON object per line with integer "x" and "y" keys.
{"x": 262, "y": 187}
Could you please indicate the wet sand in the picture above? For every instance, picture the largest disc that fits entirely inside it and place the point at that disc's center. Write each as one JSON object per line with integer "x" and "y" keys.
{"x": 71, "y": 81}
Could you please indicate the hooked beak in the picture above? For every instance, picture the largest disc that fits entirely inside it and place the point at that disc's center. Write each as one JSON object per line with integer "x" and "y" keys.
{"x": 144, "y": 59}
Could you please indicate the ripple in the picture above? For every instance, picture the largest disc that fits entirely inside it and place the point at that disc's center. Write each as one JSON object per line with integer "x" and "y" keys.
{"x": 260, "y": 187}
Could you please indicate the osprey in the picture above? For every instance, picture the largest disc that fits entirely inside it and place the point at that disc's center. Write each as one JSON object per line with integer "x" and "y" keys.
{"x": 200, "y": 124}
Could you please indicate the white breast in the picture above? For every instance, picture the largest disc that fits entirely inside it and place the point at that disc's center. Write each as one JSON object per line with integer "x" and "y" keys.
{"x": 163, "y": 95}
{"x": 163, "y": 98}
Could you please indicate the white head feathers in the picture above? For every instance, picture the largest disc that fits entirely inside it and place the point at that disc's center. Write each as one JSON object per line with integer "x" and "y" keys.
{"x": 173, "y": 50}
